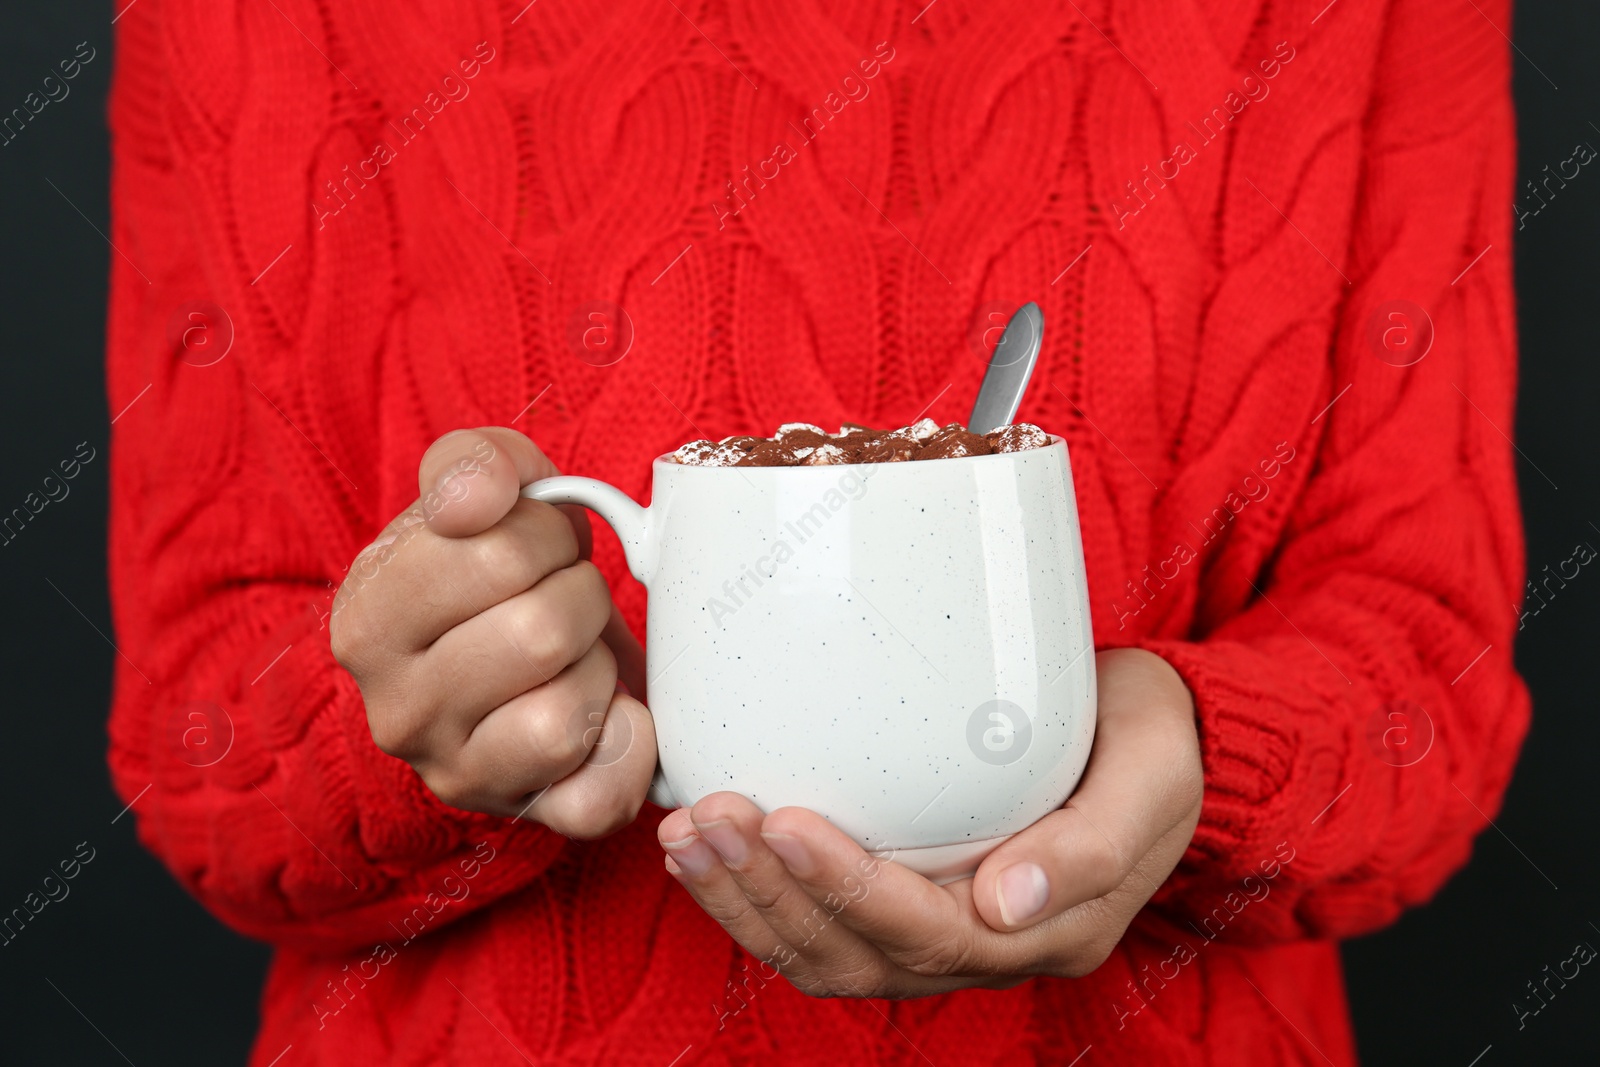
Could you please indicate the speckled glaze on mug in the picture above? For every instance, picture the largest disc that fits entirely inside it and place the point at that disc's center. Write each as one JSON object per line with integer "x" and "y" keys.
{"x": 904, "y": 648}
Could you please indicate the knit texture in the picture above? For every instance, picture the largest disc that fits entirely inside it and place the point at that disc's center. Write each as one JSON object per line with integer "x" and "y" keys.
{"x": 1305, "y": 530}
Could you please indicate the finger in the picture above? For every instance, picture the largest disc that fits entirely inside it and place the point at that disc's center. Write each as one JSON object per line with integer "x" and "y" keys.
{"x": 469, "y": 479}
{"x": 732, "y": 825}
{"x": 699, "y": 868}
{"x": 630, "y": 654}
{"x": 928, "y": 930}
{"x": 932, "y": 935}
{"x": 400, "y": 597}
{"x": 514, "y": 646}
{"x": 606, "y": 792}
{"x": 525, "y": 744}
{"x": 1142, "y": 782}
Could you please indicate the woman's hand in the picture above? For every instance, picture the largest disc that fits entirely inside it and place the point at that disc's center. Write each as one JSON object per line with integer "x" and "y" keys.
{"x": 487, "y": 648}
{"x": 1053, "y": 900}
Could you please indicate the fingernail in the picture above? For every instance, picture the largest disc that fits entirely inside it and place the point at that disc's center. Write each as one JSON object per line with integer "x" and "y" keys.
{"x": 384, "y": 541}
{"x": 1023, "y": 890}
{"x": 400, "y": 526}
{"x": 792, "y": 851}
{"x": 692, "y": 854}
{"x": 726, "y": 840}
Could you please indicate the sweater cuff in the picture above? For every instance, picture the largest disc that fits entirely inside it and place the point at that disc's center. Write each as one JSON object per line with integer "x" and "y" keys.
{"x": 1273, "y": 754}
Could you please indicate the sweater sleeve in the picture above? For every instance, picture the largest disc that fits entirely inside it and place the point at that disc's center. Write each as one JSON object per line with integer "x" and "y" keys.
{"x": 1360, "y": 717}
{"x": 237, "y": 502}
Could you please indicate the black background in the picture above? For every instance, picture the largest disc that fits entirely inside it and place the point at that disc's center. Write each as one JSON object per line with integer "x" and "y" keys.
{"x": 129, "y": 960}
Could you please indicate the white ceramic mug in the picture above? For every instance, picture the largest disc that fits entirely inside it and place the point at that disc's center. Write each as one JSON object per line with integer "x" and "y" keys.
{"x": 904, "y": 648}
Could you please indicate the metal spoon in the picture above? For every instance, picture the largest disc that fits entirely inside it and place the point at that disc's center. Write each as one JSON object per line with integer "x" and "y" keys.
{"x": 1009, "y": 370}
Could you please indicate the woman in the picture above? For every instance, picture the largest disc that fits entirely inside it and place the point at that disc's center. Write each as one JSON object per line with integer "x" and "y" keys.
{"x": 1271, "y": 242}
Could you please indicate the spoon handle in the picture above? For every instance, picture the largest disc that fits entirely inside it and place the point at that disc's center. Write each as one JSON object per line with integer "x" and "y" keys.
{"x": 1009, "y": 370}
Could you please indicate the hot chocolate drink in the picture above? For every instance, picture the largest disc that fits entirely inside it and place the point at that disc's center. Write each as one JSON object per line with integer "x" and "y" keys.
{"x": 800, "y": 444}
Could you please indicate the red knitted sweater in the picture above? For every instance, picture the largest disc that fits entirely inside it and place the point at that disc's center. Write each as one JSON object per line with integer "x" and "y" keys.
{"x": 1213, "y": 201}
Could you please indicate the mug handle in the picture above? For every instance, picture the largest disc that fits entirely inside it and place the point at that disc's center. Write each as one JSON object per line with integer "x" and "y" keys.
{"x": 632, "y": 525}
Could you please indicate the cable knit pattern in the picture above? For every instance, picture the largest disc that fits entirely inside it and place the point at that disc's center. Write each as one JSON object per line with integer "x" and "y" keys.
{"x": 1219, "y": 320}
